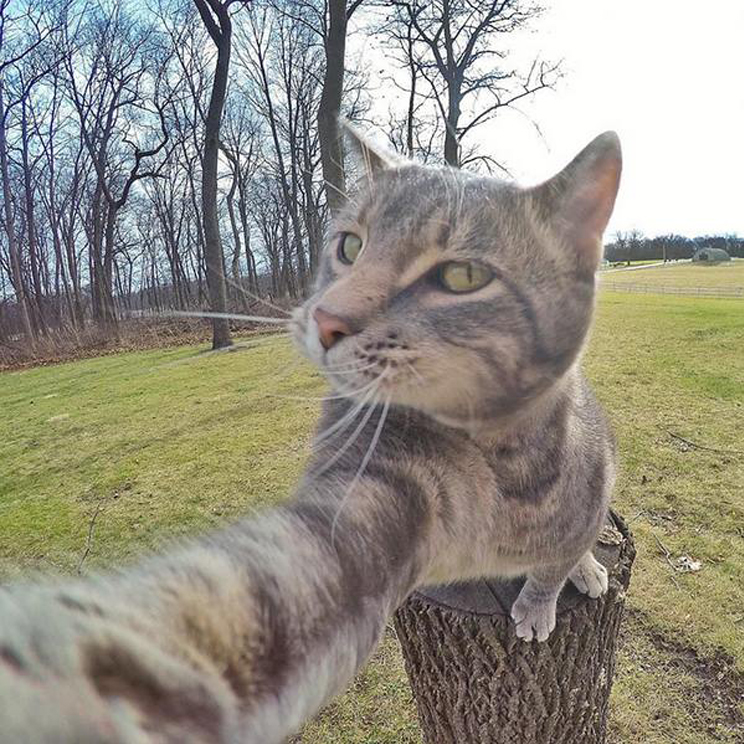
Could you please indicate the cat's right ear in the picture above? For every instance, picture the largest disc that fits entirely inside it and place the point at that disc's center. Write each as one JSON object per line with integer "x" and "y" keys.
{"x": 578, "y": 202}
{"x": 368, "y": 159}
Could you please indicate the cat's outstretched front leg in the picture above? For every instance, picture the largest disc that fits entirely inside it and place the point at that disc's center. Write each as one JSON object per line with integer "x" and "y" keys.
{"x": 533, "y": 611}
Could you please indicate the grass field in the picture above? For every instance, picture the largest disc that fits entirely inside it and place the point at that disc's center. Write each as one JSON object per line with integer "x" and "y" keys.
{"x": 730, "y": 274}
{"x": 157, "y": 444}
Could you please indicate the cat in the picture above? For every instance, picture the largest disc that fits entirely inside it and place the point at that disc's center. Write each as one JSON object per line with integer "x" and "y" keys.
{"x": 449, "y": 315}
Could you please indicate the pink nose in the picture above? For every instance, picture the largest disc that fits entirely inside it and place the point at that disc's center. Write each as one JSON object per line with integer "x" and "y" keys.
{"x": 331, "y": 328}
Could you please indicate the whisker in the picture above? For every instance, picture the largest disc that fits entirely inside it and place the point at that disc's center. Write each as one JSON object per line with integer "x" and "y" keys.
{"x": 344, "y": 421}
{"x": 245, "y": 291}
{"x": 288, "y": 370}
{"x": 346, "y": 365}
{"x": 354, "y": 436}
{"x": 363, "y": 465}
{"x": 227, "y": 316}
{"x": 349, "y": 370}
{"x": 471, "y": 413}
{"x": 340, "y": 395}
{"x": 249, "y": 344}
{"x": 415, "y": 373}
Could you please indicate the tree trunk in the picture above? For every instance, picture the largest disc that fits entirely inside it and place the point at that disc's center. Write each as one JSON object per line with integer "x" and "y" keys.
{"x": 474, "y": 681}
{"x": 33, "y": 247}
{"x": 95, "y": 252}
{"x": 13, "y": 250}
{"x": 451, "y": 142}
{"x": 54, "y": 227}
{"x": 108, "y": 307}
{"x": 213, "y": 254}
{"x": 240, "y": 294}
{"x": 331, "y": 152}
{"x": 74, "y": 272}
{"x": 249, "y": 257}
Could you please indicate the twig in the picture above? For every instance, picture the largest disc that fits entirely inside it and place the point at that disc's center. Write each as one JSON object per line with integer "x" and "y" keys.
{"x": 702, "y": 446}
{"x": 668, "y": 556}
{"x": 667, "y": 553}
{"x": 89, "y": 540}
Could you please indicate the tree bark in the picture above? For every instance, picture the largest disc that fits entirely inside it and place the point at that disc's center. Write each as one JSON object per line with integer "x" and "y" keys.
{"x": 451, "y": 141}
{"x": 474, "y": 681}
{"x": 108, "y": 307}
{"x": 213, "y": 253}
{"x": 331, "y": 151}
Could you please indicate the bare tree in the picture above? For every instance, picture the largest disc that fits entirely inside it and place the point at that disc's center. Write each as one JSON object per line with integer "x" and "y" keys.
{"x": 62, "y": 173}
{"x": 328, "y": 20}
{"x": 452, "y": 45}
{"x": 122, "y": 116}
{"x": 21, "y": 36}
{"x": 16, "y": 273}
{"x": 273, "y": 58}
{"x": 215, "y": 15}
{"x": 334, "y": 43}
{"x": 241, "y": 146}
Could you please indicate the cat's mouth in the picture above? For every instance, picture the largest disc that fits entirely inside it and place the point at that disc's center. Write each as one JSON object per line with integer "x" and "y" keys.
{"x": 373, "y": 370}
{"x": 379, "y": 366}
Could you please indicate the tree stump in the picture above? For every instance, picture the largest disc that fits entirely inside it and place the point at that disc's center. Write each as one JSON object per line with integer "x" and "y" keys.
{"x": 475, "y": 682}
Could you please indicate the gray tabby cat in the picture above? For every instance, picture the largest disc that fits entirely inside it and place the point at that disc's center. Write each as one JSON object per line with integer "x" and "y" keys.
{"x": 449, "y": 314}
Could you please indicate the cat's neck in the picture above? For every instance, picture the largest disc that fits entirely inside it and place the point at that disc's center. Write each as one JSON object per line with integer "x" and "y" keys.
{"x": 528, "y": 423}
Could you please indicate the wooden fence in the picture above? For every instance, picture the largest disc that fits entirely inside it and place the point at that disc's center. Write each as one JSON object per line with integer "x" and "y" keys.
{"x": 720, "y": 292}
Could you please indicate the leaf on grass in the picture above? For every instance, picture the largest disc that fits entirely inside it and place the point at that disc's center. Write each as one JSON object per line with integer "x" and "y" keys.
{"x": 686, "y": 564}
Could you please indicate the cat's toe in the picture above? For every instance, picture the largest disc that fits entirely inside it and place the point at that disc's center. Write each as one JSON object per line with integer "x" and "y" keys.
{"x": 590, "y": 577}
{"x": 533, "y": 620}
{"x": 524, "y": 631}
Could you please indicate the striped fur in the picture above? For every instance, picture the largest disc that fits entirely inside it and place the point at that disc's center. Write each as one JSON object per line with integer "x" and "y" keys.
{"x": 484, "y": 453}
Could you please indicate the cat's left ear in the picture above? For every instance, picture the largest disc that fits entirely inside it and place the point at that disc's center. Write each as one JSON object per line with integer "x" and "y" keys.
{"x": 578, "y": 201}
{"x": 370, "y": 159}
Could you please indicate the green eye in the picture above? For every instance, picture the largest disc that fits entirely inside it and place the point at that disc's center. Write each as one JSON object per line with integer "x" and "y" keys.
{"x": 349, "y": 248}
{"x": 464, "y": 276}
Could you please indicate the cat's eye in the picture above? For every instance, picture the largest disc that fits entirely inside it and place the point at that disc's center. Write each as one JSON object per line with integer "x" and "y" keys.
{"x": 349, "y": 248}
{"x": 464, "y": 276}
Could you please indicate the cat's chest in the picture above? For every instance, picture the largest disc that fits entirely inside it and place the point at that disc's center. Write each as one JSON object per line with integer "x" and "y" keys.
{"x": 524, "y": 491}
{"x": 517, "y": 481}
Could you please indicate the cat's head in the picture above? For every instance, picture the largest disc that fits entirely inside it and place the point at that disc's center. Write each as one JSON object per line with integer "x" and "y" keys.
{"x": 456, "y": 294}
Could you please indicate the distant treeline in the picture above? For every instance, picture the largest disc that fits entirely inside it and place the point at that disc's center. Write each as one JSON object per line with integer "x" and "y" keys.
{"x": 633, "y": 246}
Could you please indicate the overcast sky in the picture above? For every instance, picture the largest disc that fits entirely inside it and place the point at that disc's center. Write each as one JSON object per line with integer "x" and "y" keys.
{"x": 668, "y": 76}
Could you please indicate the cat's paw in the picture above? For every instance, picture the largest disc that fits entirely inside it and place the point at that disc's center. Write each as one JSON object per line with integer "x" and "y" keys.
{"x": 533, "y": 618}
{"x": 589, "y": 577}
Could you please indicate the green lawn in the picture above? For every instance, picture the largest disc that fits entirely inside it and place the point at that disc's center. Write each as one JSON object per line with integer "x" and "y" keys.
{"x": 688, "y": 275}
{"x": 161, "y": 443}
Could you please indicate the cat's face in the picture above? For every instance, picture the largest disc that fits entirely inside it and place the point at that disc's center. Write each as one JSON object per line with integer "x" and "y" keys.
{"x": 458, "y": 295}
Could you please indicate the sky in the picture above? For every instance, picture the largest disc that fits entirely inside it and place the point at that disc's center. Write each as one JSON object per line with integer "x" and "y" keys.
{"x": 668, "y": 76}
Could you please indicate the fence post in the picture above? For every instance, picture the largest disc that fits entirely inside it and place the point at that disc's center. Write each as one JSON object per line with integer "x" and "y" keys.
{"x": 475, "y": 682}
